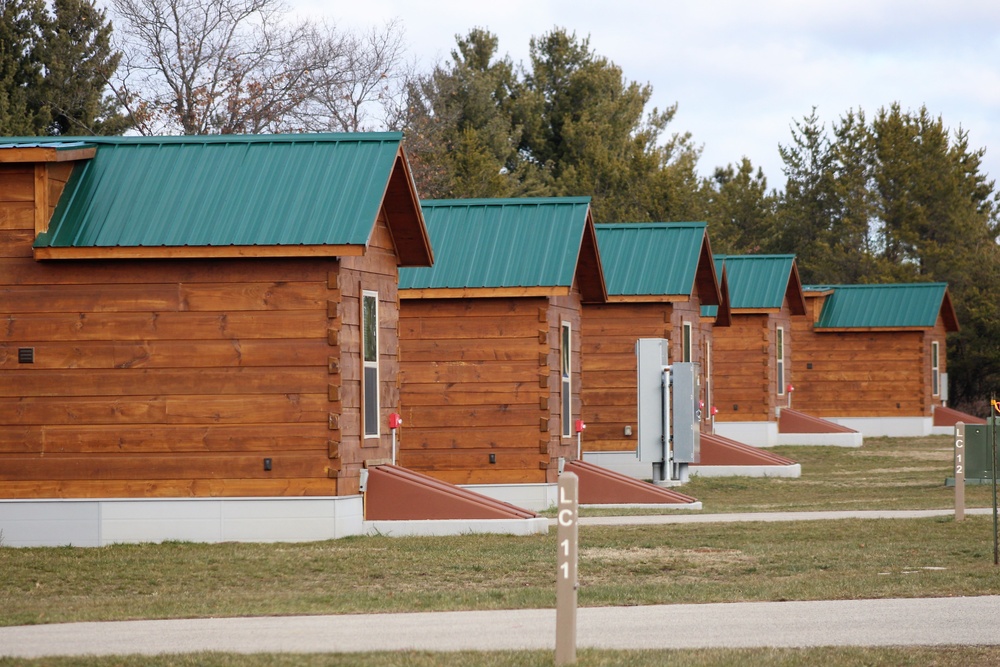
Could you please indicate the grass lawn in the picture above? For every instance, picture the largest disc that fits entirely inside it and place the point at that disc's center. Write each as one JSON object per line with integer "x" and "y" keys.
{"x": 619, "y": 565}
{"x": 939, "y": 656}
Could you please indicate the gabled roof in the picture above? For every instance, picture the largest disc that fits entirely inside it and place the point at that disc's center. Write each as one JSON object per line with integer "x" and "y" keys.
{"x": 494, "y": 247}
{"x": 893, "y": 306}
{"x": 723, "y": 313}
{"x": 661, "y": 261}
{"x": 232, "y": 195}
{"x": 763, "y": 282}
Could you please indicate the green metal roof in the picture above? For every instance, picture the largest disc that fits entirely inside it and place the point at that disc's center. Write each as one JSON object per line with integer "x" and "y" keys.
{"x": 885, "y": 306}
{"x": 232, "y": 190}
{"x": 497, "y": 243}
{"x": 757, "y": 281}
{"x": 650, "y": 258}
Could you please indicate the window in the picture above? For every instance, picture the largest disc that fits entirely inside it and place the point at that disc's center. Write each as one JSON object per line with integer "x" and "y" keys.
{"x": 686, "y": 350}
{"x": 780, "y": 358}
{"x": 708, "y": 380}
{"x": 935, "y": 370}
{"x": 369, "y": 334}
{"x": 567, "y": 384}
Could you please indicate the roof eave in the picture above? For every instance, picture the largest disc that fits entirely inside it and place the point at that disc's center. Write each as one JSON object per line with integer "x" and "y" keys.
{"x": 794, "y": 293}
{"x": 706, "y": 281}
{"x": 47, "y": 154}
{"x": 589, "y": 268}
{"x": 196, "y": 252}
{"x": 405, "y": 216}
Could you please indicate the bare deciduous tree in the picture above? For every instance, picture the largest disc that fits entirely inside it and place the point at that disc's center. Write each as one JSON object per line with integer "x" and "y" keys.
{"x": 237, "y": 66}
{"x": 365, "y": 88}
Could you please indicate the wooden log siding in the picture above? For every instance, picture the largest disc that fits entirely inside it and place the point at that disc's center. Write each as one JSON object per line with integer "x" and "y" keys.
{"x": 865, "y": 373}
{"x": 481, "y": 376}
{"x": 746, "y": 383}
{"x": 177, "y": 378}
{"x": 375, "y": 272}
{"x": 610, "y": 332}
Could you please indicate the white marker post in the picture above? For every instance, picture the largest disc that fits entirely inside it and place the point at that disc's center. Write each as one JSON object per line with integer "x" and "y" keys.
{"x": 960, "y": 471}
{"x": 566, "y": 582}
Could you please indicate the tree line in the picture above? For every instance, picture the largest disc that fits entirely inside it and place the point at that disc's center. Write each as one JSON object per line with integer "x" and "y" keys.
{"x": 892, "y": 197}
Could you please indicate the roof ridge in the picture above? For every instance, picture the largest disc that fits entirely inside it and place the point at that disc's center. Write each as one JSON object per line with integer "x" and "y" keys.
{"x": 505, "y": 201}
{"x": 209, "y": 138}
{"x": 647, "y": 225}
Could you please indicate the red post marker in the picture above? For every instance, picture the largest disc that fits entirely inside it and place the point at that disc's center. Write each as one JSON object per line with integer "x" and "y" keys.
{"x": 395, "y": 421}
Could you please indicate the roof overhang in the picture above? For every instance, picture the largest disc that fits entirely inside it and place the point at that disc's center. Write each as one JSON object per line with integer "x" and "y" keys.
{"x": 793, "y": 293}
{"x": 47, "y": 153}
{"x": 405, "y": 217}
{"x": 706, "y": 281}
{"x": 198, "y": 252}
{"x": 948, "y": 313}
{"x": 589, "y": 270}
{"x": 724, "y": 313}
{"x": 482, "y": 292}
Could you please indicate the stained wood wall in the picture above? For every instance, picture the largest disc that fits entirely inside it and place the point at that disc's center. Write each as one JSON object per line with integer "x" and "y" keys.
{"x": 610, "y": 332}
{"x": 481, "y": 376}
{"x": 177, "y": 378}
{"x": 746, "y": 386}
{"x": 864, "y": 373}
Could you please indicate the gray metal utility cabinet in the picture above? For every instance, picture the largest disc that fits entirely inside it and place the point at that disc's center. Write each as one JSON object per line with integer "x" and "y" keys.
{"x": 669, "y": 434}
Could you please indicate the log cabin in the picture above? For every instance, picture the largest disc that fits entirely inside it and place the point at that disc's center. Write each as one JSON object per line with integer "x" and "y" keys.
{"x": 490, "y": 339}
{"x": 199, "y": 318}
{"x": 659, "y": 275}
{"x": 873, "y": 357}
{"x": 753, "y": 356}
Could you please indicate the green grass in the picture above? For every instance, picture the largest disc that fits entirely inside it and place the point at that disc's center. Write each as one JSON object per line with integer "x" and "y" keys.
{"x": 620, "y": 565}
{"x": 938, "y": 656}
{"x": 887, "y": 473}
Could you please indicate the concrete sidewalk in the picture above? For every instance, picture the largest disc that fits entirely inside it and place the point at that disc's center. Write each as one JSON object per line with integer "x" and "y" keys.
{"x": 896, "y": 622}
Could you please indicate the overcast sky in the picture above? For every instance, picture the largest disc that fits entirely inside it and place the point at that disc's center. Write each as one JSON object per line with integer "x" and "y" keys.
{"x": 742, "y": 71}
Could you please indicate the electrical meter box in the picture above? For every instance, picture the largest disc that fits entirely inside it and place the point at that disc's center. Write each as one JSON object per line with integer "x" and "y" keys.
{"x": 653, "y": 392}
{"x": 669, "y": 435}
{"x": 979, "y": 451}
{"x": 686, "y": 408}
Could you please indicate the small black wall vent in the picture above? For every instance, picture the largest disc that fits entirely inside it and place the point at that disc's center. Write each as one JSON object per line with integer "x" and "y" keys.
{"x": 25, "y": 355}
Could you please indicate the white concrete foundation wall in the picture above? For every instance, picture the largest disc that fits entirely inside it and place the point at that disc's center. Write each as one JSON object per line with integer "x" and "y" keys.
{"x": 534, "y": 497}
{"x": 99, "y": 522}
{"x": 794, "y": 470}
{"x": 624, "y": 463}
{"x": 893, "y": 427}
{"x": 757, "y": 434}
{"x": 943, "y": 430}
{"x": 535, "y": 526}
{"x": 824, "y": 439}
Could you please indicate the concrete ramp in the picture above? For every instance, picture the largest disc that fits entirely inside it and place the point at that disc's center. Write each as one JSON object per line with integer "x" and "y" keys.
{"x": 717, "y": 450}
{"x": 798, "y": 428}
{"x": 725, "y": 457}
{"x": 947, "y": 417}
{"x": 600, "y": 486}
{"x": 397, "y": 494}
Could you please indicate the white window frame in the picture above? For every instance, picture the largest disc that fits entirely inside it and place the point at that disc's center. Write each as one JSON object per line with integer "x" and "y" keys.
{"x": 779, "y": 358}
{"x": 935, "y": 368}
{"x": 566, "y": 377}
{"x": 366, "y": 364}
{"x": 687, "y": 335}
{"x": 707, "y": 362}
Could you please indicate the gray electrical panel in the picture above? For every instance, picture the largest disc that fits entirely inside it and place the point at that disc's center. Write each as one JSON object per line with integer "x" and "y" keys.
{"x": 651, "y": 363}
{"x": 669, "y": 429}
{"x": 686, "y": 409}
